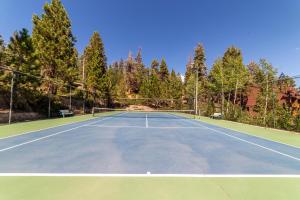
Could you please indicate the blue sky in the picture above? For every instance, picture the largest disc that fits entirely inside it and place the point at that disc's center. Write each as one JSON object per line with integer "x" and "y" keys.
{"x": 171, "y": 28}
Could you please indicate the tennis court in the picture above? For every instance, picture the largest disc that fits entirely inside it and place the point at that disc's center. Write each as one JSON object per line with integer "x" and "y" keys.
{"x": 145, "y": 142}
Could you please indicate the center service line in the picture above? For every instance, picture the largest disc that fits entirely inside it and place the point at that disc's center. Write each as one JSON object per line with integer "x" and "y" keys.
{"x": 147, "y": 121}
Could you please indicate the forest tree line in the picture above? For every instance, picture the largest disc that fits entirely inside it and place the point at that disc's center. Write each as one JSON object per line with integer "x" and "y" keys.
{"x": 47, "y": 65}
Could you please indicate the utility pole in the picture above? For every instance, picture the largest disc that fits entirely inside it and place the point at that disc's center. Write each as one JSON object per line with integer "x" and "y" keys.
{"x": 11, "y": 98}
{"x": 83, "y": 83}
{"x": 197, "y": 91}
{"x": 70, "y": 102}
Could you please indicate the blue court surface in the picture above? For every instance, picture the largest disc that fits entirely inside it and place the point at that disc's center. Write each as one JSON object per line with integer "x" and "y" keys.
{"x": 139, "y": 142}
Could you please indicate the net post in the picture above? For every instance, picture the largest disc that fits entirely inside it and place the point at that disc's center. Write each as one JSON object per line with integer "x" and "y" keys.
{"x": 93, "y": 111}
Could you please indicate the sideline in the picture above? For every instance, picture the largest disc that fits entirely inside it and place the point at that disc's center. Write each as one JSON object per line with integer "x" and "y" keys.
{"x": 7, "y": 137}
{"x": 54, "y": 134}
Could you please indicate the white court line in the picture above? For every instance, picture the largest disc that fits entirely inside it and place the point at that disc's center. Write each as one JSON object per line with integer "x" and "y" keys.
{"x": 246, "y": 141}
{"x": 147, "y": 175}
{"x": 105, "y": 126}
{"x": 177, "y": 127}
{"x": 51, "y": 135}
{"x": 149, "y": 127}
{"x": 253, "y": 143}
{"x": 45, "y": 129}
{"x": 240, "y": 139}
{"x": 147, "y": 121}
{"x": 242, "y": 132}
{"x": 52, "y": 127}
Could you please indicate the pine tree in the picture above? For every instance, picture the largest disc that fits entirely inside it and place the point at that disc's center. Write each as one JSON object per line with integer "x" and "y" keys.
{"x": 131, "y": 75}
{"x": 189, "y": 69}
{"x": 2, "y": 50}
{"x": 200, "y": 67}
{"x": 175, "y": 86}
{"x": 144, "y": 90}
{"x": 116, "y": 75}
{"x": 95, "y": 63}
{"x": 163, "y": 71}
{"x": 139, "y": 59}
{"x": 140, "y": 70}
{"x": 54, "y": 44}
{"x": 2, "y": 56}
{"x": 189, "y": 91}
{"x": 155, "y": 85}
{"x": 153, "y": 81}
{"x": 122, "y": 87}
{"x": 155, "y": 66}
{"x": 164, "y": 79}
{"x": 21, "y": 56}
{"x": 199, "y": 62}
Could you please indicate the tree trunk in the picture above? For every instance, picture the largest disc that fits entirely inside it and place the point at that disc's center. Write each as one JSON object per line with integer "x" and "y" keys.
{"x": 94, "y": 99}
{"x": 266, "y": 100}
{"x": 83, "y": 104}
{"x": 83, "y": 84}
{"x": 227, "y": 106}
{"x": 223, "y": 97}
{"x": 49, "y": 100}
{"x": 235, "y": 94}
{"x": 49, "y": 105}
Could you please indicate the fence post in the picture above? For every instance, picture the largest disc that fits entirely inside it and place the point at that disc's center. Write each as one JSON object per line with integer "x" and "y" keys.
{"x": 70, "y": 103}
{"x": 11, "y": 98}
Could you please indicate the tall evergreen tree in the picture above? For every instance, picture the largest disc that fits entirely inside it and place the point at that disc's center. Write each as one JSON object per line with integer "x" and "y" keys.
{"x": 140, "y": 70}
{"x": 95, "y": 63}
{"x": 199, "y": 62}
{"x": 155, "y": 66}
{"x": 21, "y": 56}
{"x": 122, "y": 87}
{"x": 163, "y": 71}
{"x": 2, "y": 56}
{"x": 200, "y": 67}
{"x": 175, "y": 86}
{"x": 152, "y": 84}
{"x": 188, "y": 70}
{"x": 189, "y": 91}
{"x": 131, "y": 75}
{"x": 2, "y": 50}
{"x": 155, "y": 85}
{"x": 54, "y": 44}
{"x": 139, "y": 58}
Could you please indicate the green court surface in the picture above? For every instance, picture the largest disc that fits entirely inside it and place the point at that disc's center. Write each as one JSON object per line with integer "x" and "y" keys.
{"x": 286, "y": 137}
{"x": 23, "y": 127}
{"x": 129, "y": 188}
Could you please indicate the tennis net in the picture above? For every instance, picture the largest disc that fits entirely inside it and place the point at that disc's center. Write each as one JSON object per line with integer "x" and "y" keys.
{"x": 131, "y": 113}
